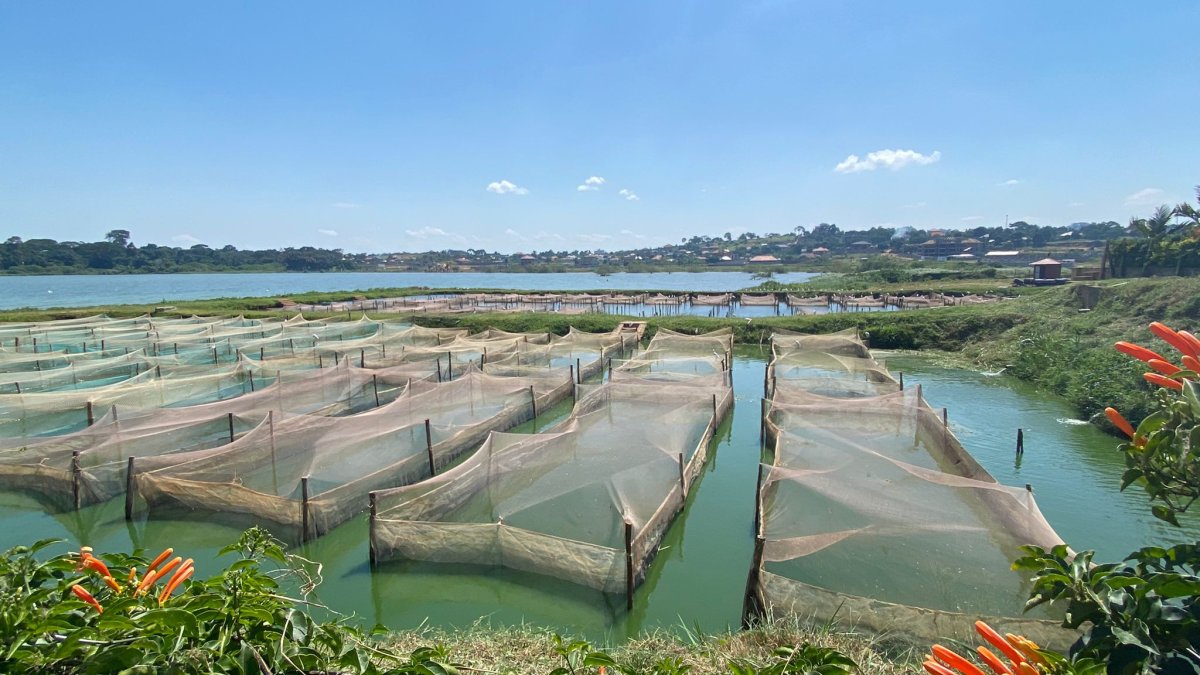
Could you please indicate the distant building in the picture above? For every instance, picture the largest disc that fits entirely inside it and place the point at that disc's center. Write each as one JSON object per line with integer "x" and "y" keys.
{"x": 763, "y": 259}
{"x": 1046, "y": 269}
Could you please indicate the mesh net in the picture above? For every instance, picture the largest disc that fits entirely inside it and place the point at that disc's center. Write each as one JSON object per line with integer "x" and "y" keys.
{"x": 304, "y": 475}
{"x": 870, "y": 498}
{"x": 588, "y": 502}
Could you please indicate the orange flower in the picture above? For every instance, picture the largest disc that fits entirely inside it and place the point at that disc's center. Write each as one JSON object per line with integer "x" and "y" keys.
{"x": 1172, "y": 338}
{"x": 1191, "y": 364}
{"x": 1137, "y": 351}
{"x": 1155, "y": 378}
{"x": 83, "y": 595}
{"x": 1119, "y": 421}
{"x": 179, "y": 578}
{"x": 1163, "y": 367}
{"x": 955, "y": 661}
{"x": 146, "y": 582}
{"x": 161, "y": 557}
{"x": 1193, "y": 343}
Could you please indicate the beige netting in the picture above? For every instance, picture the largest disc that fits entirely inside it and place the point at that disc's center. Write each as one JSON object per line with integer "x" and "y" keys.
{"x": 305, "y": 475}
{"x": 587, "y": 503}
{"x": 873, "y": 512}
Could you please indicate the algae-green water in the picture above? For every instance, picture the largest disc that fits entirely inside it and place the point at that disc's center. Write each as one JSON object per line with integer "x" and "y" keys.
{"x": 698, "y": 578}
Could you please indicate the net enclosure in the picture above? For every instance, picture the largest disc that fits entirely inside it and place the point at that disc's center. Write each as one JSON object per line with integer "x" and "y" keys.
{"x": 873, "y": 512}
{"x": 586, "y": 502}
{"x": 304, "y": 475}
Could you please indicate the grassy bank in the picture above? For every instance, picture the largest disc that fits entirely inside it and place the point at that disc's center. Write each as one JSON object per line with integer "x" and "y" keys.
{"x": 525, "y": 649}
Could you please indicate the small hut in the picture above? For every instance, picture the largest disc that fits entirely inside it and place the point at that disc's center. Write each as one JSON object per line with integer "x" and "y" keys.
{"x": 1046, "y": 270}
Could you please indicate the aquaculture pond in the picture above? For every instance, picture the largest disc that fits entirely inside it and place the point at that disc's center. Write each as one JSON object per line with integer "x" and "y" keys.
{"x": 699, "y": 576}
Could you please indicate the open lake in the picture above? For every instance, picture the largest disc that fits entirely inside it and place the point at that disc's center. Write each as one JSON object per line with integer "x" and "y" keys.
{"x": 41, "y": 292}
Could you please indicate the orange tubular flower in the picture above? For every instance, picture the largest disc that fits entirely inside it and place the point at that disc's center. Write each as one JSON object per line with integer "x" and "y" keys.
{"x": 83, "y": 595}
{"x": 1119, "y": 421}
{"x": 996, "y": 640}
{"x": 1193, "y": 343}
{"x": 162, "y": 572}
{"x": 993, "y": 661}
{"x": 955, "y": 661}
{"x": 934, "y": 668}
{"x": 112, "y": 583}
{"x": 97, "y": 565}
{"x": 1172, "y": 338}
{"x": 146, "y": 582}
{"x": 1155, "y": 378}
{"x": 161, "y": 557}
{"x": 179, "y": 578}
{"x": 1163, "y": 367}
{"x": 1137, "y": 351}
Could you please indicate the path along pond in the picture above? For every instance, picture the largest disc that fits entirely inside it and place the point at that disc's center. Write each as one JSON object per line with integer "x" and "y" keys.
{"x": 41, "y": 292}
{"x": 698, "y": 578}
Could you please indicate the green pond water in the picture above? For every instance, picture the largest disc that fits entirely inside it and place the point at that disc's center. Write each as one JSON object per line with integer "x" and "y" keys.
{"x": 699, "y": 576}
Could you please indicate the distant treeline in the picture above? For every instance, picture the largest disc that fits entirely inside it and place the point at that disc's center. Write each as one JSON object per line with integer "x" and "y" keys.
{"x": 118, "y": 255}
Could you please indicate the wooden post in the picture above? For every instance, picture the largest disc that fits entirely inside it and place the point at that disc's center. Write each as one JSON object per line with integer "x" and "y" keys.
{"x": 375, "y": 386}
{"x": 320, "y": 360}
{"x": 304, "y": 509}
{"x": 439, "y": 369}
{"x": 572, "y": 369}
{"x": 91, "y": 414}
{"x": 750, "y": 606}
{"x": 372, "y": 555}
{"x": 362, "y": 358}
{"x": 628, "y": 565}
{"x": 682, "y": 483}
{"x": 901, "y": 381}
{"x": 262, "y": 354}
{"x": 231, "y": 434}
{"x": 1020, "y": 442}
{"x": 762, "y": 425}
{"x": 714, "y": 414}
{"x": 76, "y": 472}
{"x": 578, "y": 372}
{"x": 533, "y": 400}
{"x": 449, "y": 366}
{"x": 945, "y": 421}
{"x": 429, "y": 447}
{"x": 129, "y": 489}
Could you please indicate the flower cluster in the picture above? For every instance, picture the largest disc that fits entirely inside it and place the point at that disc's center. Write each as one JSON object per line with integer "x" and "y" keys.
{"x": 1167, "y": 374}
{"x": 136, "y": 586}
{"x": 1023, "y": 656}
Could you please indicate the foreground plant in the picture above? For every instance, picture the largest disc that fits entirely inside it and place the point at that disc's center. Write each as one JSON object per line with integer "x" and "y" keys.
{"x": 1141, "y": 615}
{"x": 78, "y": 613}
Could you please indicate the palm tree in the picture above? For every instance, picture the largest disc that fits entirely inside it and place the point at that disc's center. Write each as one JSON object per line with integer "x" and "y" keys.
{"x": 1189, "y": 214}
{"x": 1155, "y": 229}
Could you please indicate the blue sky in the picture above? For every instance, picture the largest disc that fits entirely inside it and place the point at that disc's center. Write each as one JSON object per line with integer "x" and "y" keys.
{"x": 403, "y": 126}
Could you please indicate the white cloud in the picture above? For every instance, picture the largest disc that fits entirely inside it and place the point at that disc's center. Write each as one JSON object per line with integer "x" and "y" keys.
{"x": 426, "y": 232}
{"x": 591, "y": 184}
{"x": 185, "y": 239}
{"x": 1075, "y": 204}
{"x": 628, "y": 195}
{"x": 917, "y": 205}
{"x": 1146, "y": 197}
{"x": 631, "y": 233}
{"x": 971, "y": 219}
{"x": 503, "y": 187}
{"x": 346, "y": 205}
{"x": 543, "y": 235}
{"x": 594, "y": 238}
{"x": 514, "y": 234}
{"x": 328, "y": 233}
{"x": 886, "y": 159}
{"x": 1010, "y": 181}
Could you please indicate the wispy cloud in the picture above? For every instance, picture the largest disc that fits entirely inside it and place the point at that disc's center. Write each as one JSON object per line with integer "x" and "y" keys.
{"x": 515, "y": 235}
{"x": 543, "y": 235}
{"x": 328, "y": 233}
{"x": 185, "y": 239}
{"x": 1146, "y": 197}
{"x": 503, "y": 187}
{"x": 916, "y": 205}
{"x": 1010, "y": 181}
{"x": 346, "y": 205}
{"x": 426, "y": 232}
{"x": 886, "y": 159}
{"x": 631, "y": 233}
{"x": 591, "y": 184}
{"x": 593, "y": 238}
{"x": 628, "y": 195}
{"x": 971, "y": 219}
{"x": 1075, "y": 204}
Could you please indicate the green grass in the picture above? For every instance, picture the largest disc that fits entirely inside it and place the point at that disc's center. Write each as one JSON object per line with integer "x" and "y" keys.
{"x": 526, "y": 649}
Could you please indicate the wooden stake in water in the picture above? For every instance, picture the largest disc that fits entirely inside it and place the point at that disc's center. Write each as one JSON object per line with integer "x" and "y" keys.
{"x": 429, "y": 447}
{"x": 628, "y": 565}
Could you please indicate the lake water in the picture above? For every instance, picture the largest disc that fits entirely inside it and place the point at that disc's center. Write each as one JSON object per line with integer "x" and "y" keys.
{"x": 698, "y": 578}
{"x": 42, "y": 292}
